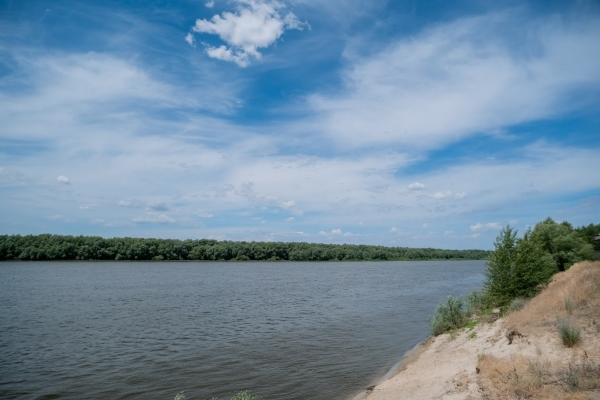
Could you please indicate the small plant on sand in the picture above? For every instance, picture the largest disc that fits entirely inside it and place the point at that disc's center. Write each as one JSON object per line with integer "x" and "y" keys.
{"x": 570, "y": 335}
{"x": 245, "y": 395}
{"x": 448, "y": 316}
{"x": 517, "y": 304}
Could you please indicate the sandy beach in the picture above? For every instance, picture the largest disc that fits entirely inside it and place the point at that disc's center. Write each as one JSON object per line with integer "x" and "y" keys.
{"x": 519, "y": 356}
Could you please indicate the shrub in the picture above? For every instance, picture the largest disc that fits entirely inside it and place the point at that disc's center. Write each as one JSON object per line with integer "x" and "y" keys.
{"x": 570, "y": 335}
{"x": 517, "y": 303}
{"x": 477, "y": 301}
{"x": 448, "y": 316}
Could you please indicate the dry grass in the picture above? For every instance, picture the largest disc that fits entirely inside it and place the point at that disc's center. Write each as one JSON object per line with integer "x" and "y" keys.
{"x": 580, "y": 285}
{"x": 553, "y": 371}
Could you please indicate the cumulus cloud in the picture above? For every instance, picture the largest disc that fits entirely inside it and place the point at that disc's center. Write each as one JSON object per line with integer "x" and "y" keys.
{"x": 256, "y": 24}
{"x": 336, "y": 231}
{"x": 63, "y": 179}
{"x": 446, "y": 194}
{"x": 490, "y": 226}
{"x": 416, "y": 186}
{"x": 209, "y": 4}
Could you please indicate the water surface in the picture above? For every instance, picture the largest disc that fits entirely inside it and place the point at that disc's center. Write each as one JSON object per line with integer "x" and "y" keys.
{"x": 144, "y": 330}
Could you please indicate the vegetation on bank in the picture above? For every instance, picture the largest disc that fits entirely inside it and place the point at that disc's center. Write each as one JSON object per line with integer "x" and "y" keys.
{"x": 56, "y": 247}
{"x": 519, "y": 268}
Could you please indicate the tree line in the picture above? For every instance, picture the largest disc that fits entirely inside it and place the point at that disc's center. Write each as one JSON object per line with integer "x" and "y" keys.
{"x": 57, "y": 247}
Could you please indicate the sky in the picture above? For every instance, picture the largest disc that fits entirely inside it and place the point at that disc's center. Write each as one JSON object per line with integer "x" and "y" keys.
{"x": 398, "y": 123}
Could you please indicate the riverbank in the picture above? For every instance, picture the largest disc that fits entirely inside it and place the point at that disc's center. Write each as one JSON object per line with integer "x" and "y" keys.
{"x": 519, "y": 356}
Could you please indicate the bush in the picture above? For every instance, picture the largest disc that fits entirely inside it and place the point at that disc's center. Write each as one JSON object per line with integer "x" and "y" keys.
{"x": 448, "y": 316}
{"x": 517, "y": 303}
{"x": 477, "y": 301}
{"x": 570, "y": 335}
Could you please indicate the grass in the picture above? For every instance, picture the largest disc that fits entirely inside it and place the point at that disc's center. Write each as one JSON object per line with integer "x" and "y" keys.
{"x": 570, "y": 334}
{"x": 448, "y": 316}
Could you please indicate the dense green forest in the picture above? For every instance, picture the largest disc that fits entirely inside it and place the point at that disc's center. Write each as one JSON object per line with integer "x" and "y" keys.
{"x": 56, "y": 247}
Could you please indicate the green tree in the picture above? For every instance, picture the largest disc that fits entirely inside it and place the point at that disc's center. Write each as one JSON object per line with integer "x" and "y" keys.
{"x": 517, "y": 267}
{"x": 565, "y": 244}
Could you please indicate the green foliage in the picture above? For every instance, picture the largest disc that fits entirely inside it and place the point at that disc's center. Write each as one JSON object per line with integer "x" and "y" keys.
{"x": 478, "y": 301}
{"x": 588, "y": 233}
{"x": 56, "y": 247}
{"x": 570, "y": 335}
{"x": 517, "y": 267}
{"x": 448, "y": 316}
{"x": 565, "y": 244}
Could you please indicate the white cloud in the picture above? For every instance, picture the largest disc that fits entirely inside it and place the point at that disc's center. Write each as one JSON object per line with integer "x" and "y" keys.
{"x": 463, "y": 78}
{"x": 490, "y": 226}
{"x": 336, "y": 231}
{"x": 209, "y": 4}
{"x": 416, "y": 186}
{"x": 190, "y": 39}
{"x": 256, "y": 24}
{"x": 446, "y": 194}
{"x": 203, "y": 214}
{"x": 442, "y": 195}
{"x": 63, "y": 179}
{"x": 289, "y": 219}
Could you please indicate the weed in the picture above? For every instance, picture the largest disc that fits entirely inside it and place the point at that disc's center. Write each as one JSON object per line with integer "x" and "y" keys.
{"x": 538, "y": 369}
{"x": 570, "y": 335}
{"x": 473, "y": 335}
{"x": 481, "y": 357}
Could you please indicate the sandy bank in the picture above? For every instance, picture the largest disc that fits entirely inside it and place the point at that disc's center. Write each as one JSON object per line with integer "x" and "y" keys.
{"x": 482, "y": 363}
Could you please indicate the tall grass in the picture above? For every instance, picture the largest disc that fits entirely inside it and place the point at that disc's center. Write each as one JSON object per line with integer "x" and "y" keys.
{"x": 448, "y": 316}
{"x": 570, "y": 335}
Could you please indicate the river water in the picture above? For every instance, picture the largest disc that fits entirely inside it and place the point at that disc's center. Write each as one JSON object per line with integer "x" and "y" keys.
{"x": 149, "y": 330}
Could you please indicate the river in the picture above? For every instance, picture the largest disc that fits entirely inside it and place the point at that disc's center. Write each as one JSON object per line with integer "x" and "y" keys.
{"x": 149, "y": 330}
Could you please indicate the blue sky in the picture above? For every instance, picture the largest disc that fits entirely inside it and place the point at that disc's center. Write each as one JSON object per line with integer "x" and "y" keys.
{"x": 404, "y": 123}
